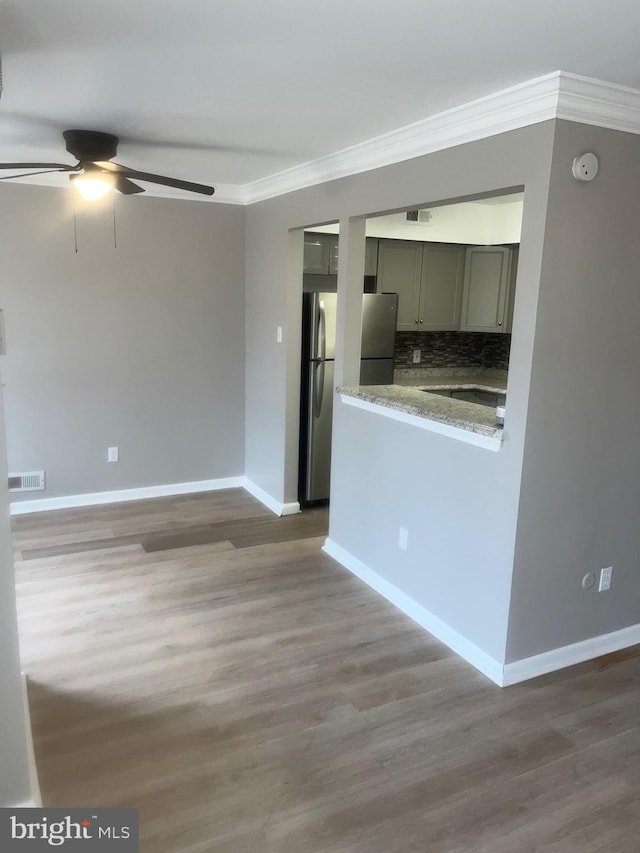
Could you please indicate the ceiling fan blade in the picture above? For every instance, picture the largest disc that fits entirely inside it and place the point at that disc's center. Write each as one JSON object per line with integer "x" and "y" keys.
{"x": 125, "y": 186}
{"x": 28, "y": 174}
{"x": 53, "y": 167}
{"x": 155, "y": 179}
{"x": 110, "y": 166}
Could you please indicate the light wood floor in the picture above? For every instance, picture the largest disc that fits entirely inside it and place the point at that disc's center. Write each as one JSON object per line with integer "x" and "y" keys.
{"x": 202, "y": 660}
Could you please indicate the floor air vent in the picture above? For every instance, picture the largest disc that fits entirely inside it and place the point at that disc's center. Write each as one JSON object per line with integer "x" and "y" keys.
{"x": 31, "y": 481}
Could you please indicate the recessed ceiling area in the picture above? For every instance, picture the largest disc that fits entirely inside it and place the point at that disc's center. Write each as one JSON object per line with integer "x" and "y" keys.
{"x": 234, "y": 91}
{"x": 485, "y": 222}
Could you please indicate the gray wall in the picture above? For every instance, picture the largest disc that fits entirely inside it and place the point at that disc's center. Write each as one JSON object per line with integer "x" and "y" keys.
{"x": 580, "y": 501}
{"x": 459, "y": 502}
{"x": 14, "y": 774}
{"x": 140, "y": 346}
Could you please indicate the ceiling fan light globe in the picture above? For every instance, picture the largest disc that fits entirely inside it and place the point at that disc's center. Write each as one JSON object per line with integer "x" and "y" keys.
{"x": 91, "y": 187}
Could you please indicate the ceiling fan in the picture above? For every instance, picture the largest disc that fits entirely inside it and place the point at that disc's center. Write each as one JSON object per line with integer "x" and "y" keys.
{"x": 95, "y": 174}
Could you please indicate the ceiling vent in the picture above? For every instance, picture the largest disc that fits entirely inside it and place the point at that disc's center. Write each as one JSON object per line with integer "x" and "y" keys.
{"x": 422, "y": 217}
{"x": 29, "y": 481}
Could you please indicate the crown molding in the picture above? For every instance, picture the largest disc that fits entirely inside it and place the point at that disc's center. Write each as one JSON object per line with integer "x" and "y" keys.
{"x": 558, "y": 95}
{"x": 588, "y": 101}
{"x": 527, "y": 103}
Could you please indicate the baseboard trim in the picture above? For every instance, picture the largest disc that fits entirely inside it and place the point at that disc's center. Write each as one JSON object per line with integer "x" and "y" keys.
{"x": 594, "y": 647}
{"x": 268, "y": 500}
{"x": 34, "y": 782}
{"x": 502, "y": 675}
{"x": 143, "y": 493}
{"x": 456, "y": 642}
{"x": 292, "y": 508}
{"x": 147, "y": 492}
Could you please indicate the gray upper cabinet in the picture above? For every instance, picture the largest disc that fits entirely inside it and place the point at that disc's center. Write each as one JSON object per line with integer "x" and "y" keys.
{"x": 441, "y": 287}
{"x": 333, "y": 254}
{"x": 320, "y": 253}
{"x": 511, "y": 290}
{"x": 399, "y": 271}
{"x": 371, "y": 256}
{"x": 428, "y": 278}
{"x": 316, "y": 254}
{"x": 484, "y": 298}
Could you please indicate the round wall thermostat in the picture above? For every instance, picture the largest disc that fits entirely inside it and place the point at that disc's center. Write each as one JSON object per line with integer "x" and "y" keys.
{"x": 585, "y": 167}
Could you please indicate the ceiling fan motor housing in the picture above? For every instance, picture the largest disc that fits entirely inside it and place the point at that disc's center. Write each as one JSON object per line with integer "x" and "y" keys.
{"x": 91, "y": 145}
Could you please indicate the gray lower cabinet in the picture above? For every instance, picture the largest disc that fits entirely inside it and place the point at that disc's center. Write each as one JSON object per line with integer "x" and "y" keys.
{"x": 428, "y": 278}
{"x": 486, "y": 285}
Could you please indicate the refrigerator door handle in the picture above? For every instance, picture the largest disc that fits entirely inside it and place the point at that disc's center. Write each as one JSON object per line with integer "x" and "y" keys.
{"x": 318, "y": 387}
{"x": 322, "y": 332}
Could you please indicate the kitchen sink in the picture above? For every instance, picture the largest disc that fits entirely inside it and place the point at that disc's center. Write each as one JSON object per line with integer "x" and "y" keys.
{"x": 471, "y": 395}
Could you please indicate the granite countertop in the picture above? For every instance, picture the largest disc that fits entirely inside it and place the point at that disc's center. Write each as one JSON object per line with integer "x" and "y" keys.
{"x": 407, "y": 394}
{"x": 493, "y": 381}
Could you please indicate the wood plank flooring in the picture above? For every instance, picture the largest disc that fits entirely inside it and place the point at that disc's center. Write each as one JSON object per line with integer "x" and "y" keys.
{"x": 203, "y": 660}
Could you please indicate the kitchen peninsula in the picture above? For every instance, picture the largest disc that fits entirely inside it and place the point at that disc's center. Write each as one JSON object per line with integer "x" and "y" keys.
{"x": 420, "y": 397}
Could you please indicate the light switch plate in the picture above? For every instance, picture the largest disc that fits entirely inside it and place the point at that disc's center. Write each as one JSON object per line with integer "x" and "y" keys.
{"x": 403, "y": 538}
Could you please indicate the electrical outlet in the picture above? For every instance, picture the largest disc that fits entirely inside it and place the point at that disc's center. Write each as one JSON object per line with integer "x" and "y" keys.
{"x": 605, "y": 579}
{"x": 112, "y": 454}
{"x": 403, "y": 538}
{"x": 417, "y": 356}
{"x": 278, "y": 334}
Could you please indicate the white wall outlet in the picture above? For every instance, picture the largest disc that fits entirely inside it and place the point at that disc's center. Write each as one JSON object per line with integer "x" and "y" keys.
{"x": 417, "y": 356}
{"x": 605, "y": 579}
{"x": 403, "y": 538}
{"x": 113, "y": 454}
{"x": 279, "y": 334}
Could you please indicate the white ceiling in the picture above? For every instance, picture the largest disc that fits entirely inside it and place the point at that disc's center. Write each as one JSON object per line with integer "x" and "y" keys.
{"x": 231, "y": 91}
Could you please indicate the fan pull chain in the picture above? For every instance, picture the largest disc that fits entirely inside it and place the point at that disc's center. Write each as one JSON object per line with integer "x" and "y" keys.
{"x": 75, "y": 230}
{"x": 115, "y": 239}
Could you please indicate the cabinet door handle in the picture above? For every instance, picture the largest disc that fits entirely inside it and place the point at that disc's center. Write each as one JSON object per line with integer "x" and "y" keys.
{"x": 499, "y": 322}
{"x": 422, "y": 321}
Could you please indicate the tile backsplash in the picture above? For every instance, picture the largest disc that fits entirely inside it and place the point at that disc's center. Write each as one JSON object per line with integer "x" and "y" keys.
{"x": 453, "y": 349}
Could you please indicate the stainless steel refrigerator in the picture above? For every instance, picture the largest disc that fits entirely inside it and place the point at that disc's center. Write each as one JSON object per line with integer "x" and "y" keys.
{"x": 318, "y": 353}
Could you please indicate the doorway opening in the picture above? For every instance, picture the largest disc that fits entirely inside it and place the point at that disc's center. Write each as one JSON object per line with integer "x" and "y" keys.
{"x": 438, "y": 297}
{"x": 319, "y": 314}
